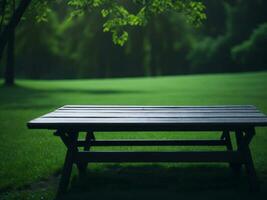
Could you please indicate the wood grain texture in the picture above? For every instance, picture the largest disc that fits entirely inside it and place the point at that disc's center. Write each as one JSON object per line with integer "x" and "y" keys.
{"x": 149, "y": 117}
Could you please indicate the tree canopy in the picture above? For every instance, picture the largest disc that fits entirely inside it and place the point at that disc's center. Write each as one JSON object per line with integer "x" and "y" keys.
{"x": 118, "y": 14}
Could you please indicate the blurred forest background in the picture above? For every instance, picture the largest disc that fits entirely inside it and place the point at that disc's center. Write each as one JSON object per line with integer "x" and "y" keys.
{"x": 232, "y": 39}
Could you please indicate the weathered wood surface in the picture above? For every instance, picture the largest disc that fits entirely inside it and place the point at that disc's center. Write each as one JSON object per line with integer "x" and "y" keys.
{"x": 150, "y": 117}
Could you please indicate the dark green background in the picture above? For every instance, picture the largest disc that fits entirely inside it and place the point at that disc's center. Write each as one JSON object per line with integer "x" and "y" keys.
{"x": 233, "y": 38}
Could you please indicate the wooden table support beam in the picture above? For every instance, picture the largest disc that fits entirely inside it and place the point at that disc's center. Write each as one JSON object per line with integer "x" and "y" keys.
{"x": 69, "y": 161}
{"x": 243, "y": 140}
{"x": 215, "y": 156}
{"x": 236, "y": 167}
{"x": 153, "y": 143}
{"x": 87, "y": 143}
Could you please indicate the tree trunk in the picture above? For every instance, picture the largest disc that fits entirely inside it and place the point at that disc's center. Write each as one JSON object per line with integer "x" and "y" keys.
{"x": 15, "y": 19}
{"x": 9, "y": 71}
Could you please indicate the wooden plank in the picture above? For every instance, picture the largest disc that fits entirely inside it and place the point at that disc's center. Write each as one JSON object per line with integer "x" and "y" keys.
{"x": 162, "y": 109}
{"x": 177, "y": 120}
{"x": 156, "y": 106}
{"x": 153, "y": 115}
{"x": 131, "y": 127}
{"x": 215, "y": 156}
{"x": 154, "y": 143}
{"x": 154, "y": 111}
{"x": 88, "y": 107}
{"x": 144, "y": 126}
{"x": 151, "y": 118}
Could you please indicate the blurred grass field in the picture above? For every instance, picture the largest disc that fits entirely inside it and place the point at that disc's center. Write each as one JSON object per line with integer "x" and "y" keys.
{"x": 30, "y": 160}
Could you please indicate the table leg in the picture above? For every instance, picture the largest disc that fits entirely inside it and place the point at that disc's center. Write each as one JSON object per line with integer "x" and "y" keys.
{"x": 236, "y": 167}
{"x": 244, "y": 139}
{"x": 83, "y": 165}
{"x": 69, "y": 160}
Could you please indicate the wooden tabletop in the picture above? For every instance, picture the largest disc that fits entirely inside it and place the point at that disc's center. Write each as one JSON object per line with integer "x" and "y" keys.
{"x": 113, "y": 118}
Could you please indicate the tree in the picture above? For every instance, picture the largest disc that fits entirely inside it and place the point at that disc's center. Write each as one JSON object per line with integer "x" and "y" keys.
{"x": 9, "y": 20}
{"x": 119, "y": 15}
{"x": 10, "y": 17}
{"x": 223, "y": 52}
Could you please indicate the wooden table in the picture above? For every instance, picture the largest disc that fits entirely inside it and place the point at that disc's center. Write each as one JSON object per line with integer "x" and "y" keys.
{"x": 68, "y": 121}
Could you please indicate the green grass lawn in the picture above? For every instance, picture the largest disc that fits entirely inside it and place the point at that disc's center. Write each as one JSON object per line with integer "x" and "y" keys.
{"x": 31, "y": 160}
